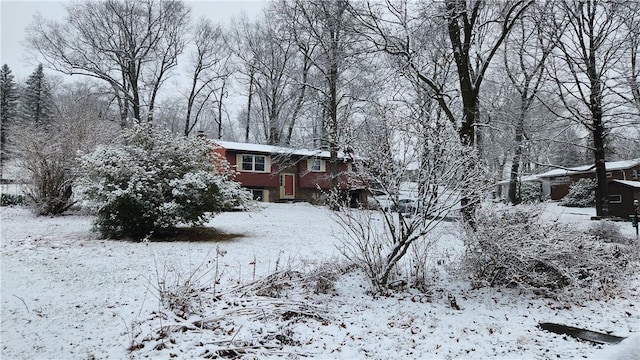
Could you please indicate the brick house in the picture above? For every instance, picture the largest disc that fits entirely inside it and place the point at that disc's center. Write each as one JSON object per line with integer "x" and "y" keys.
{"x": 621, "y": 196}
{"x": 556, "y": 182}
{"x": 275, "y": 173}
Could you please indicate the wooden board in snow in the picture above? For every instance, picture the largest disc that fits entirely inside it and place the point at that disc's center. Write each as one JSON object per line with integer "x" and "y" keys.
{"x": 583, "y": 334}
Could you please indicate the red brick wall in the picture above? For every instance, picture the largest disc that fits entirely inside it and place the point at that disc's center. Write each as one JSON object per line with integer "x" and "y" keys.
{"x": 558, "y": 191}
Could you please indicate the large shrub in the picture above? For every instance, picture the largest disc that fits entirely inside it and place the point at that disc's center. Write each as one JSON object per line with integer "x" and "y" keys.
{"x": 518, "y": 247}
{"x": 529, "y": 193}
{"x": 156, "y": 181}
{"x": 581, "y": 194}
{"x": 47, "y": 157}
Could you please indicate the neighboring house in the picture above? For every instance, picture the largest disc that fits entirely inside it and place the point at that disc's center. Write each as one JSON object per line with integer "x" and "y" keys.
{"x": 275, "y": 173}
{"x": 555, "y": 183}
{"x": 621, "y": 196}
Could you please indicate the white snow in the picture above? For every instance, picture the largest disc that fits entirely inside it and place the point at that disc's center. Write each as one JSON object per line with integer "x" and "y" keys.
{"x": 628, "y": 349}
{"x": 272, "y": 149}
{"x": 67, "y": 294}
{"x": 610, "y": 165}
{"x": 635, "y": 184}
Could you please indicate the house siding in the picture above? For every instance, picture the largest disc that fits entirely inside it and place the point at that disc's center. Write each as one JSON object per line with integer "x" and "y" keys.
{"x": 308, "y": 185}
{"x": 628, "y": 194}
{"x": 560, "y": 184}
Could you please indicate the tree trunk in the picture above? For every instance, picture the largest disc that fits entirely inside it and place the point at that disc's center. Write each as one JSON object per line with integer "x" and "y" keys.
{"x": 274, "y": 132}
{"x": 300, "y": 100}
{"x": 190, "y": 101}
{"x": 460, "y": 43}
{"x": 599, "y": 133}
{"x": 250, "y": 97}
{"x": 517, "y": 158}
{"x": 333, "y": 116}
{"x": 333, "y": 134}
{"x": 224, "y": 83}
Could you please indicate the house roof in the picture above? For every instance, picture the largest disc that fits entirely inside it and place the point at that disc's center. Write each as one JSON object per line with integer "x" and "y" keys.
{"x": 612, "y": 165}
{"x": 528, "y": 178}
{"x": 634, "y": 184}
{"x": 273, "y": 149}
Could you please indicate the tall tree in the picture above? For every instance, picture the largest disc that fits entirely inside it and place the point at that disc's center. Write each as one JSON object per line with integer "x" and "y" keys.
{"x": 630, "y": 71}
{"x": 589, "y": 45}
{"x": 329, "y": 28}
{"x": 206, "y": 67}
{"x": 130, "y": 44}
{"x": 525, "y": 56}
{"x": 277, "y": 68}
{"x": 36, "y": 101}
{"x": 475, "y": 31}
{"x": 8, "y": 108}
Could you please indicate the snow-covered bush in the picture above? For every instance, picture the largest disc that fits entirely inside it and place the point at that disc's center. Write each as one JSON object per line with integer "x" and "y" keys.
{"x": 530, "y": 192}
{"x": 12, "y": 200}
{"x": 581, "y": 194}
{"x": 47, "y": 155}
{"x": 155, "y": 181}
{"x": 48, "y": 160}
{"x": 378, "y": 241}
{"x": 517, "y": 247}
{"x": 608, "y": 231}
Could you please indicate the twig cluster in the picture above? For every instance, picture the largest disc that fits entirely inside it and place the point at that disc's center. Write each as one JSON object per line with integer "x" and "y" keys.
{"x": 515, "y": 247}
{"x": 256, "y": 318}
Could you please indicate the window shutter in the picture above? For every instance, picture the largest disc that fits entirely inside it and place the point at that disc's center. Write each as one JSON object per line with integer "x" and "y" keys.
{"x": 239, "y": 162}
{"x": 267, "y": 163}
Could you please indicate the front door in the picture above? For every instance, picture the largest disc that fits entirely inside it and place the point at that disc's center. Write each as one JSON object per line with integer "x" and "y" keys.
{"x": 287, "y": 186}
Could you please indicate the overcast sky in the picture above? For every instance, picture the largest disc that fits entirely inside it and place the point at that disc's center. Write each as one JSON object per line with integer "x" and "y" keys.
{"x": 15, "y": 16}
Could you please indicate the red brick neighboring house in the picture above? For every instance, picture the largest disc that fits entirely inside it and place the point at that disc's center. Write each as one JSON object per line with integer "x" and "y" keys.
{"x": 558, "y": 181}
{"x": 275, "y": 173}
{"x": 621, "y": 196}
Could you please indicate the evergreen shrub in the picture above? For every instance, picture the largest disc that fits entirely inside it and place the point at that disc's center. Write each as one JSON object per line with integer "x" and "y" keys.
{"x": 12, "y": 200}
{"x": 156, "y": 181}
{"x": 581, "y": 194}
{"x": 530, "y": 192}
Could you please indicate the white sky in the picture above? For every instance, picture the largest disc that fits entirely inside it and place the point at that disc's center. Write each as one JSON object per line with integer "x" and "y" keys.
{"x": 15, "y": 16}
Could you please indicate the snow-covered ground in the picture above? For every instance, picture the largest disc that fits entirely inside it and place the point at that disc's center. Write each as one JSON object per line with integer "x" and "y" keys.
{"x": 68, "y": 294}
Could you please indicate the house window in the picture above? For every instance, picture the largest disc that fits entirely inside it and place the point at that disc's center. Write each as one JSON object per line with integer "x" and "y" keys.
{"x": 609, "y": 175}
{"x": 634, "y": 174}
{"x": 615, "y": 199}
{"x": 255, "y": 163}
{"x": 259, "y": 194}
{"x": 316, "y": 165}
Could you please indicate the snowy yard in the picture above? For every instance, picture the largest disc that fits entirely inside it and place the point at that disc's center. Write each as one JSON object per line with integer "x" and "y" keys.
{"x": 68, "y": 294}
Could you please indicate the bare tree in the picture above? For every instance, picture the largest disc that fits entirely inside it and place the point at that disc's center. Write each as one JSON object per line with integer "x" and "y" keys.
{"x": 475, "y": 30}
{"x": 630, "y": 69}
{"x": 589, "y": 45}
{"x": 49, "y": 155}
{"x": 277, "y": 68}
{"x": 404, "y": 135}
{"x": 207, "y": 66}
{"x": 132, "y": 45}
{"x": 328, "y": 29}
{"x": 525, "y": 56}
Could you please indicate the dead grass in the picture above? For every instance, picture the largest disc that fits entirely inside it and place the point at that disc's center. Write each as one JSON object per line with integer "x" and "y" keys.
{"x": 195, "y": 234}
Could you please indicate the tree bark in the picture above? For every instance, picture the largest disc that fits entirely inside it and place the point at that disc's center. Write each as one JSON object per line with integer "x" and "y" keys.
{"x": 250, "y": 97}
